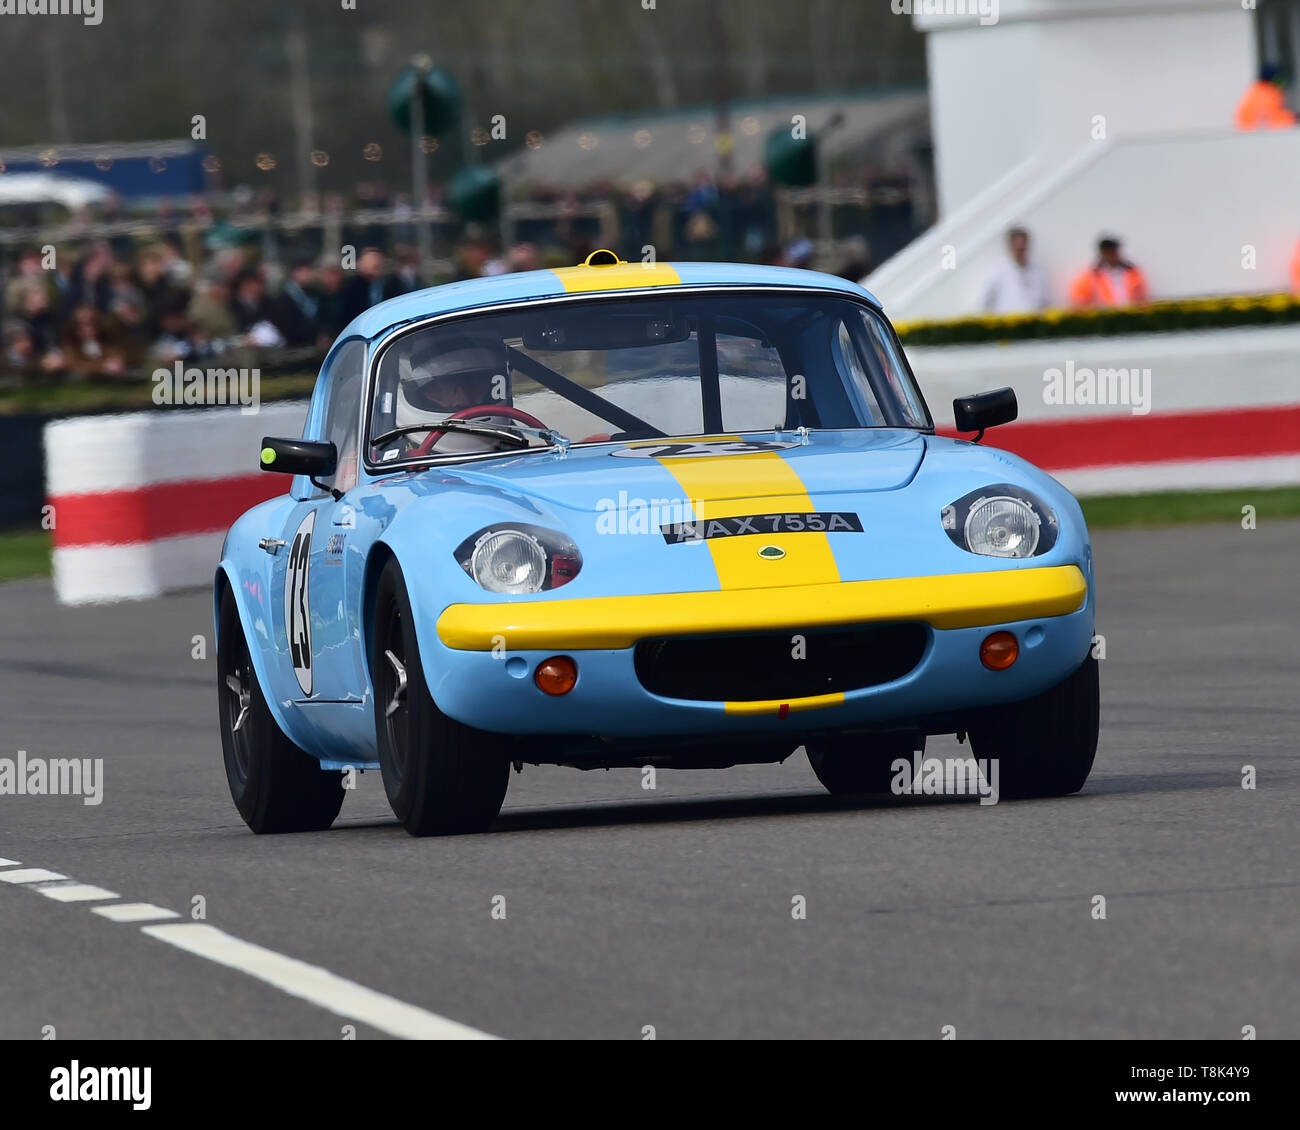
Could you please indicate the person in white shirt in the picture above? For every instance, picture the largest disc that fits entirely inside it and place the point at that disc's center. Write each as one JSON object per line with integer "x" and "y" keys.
{"x": 1016, "y": 285}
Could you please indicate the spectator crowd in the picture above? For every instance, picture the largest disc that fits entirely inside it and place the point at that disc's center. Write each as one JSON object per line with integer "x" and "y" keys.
{"x": 113, "y": 308}
{"x": 106, "y": 316}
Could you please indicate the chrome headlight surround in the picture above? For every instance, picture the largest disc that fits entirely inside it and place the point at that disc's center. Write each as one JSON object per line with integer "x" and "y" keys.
{"x": 517, "y": 559}
{"x": 1001, "y": 520}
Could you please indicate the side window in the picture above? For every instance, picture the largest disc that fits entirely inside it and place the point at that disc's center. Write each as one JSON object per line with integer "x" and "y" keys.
{"x": 846, "y": 357}
{"x": 895, "y": 372}
{"x": 752, "y": 382}
{"x": 343, "y": 412}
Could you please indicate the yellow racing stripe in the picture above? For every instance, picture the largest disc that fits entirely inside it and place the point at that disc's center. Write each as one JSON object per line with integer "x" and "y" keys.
{"x": 762, "y": 482}
{"x": 623, "y": 276}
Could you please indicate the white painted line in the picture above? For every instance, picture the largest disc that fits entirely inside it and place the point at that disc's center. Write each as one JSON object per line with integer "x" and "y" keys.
{"x": 77, "y": 892}
{"x": 30, "y": 875}
{"x": 133, "y": 912}
{"x": 8, "y": 863}
{"x": 313, "y": 984}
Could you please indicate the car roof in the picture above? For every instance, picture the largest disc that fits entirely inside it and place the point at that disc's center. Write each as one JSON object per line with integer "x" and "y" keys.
{"x": 584, "y": 279}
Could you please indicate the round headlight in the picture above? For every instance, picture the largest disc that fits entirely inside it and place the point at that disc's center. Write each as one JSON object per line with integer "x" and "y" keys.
{"x": 1002, "y": 527}
{"x": 509, "y": 561}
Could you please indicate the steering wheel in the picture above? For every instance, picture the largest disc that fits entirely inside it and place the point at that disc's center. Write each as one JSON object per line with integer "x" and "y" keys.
{"x": 480, "y": 410}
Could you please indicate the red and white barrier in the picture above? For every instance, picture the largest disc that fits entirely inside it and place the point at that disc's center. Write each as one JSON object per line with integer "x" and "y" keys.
{"x": 1222, "y": 407}
{"x": 142, "y": 501}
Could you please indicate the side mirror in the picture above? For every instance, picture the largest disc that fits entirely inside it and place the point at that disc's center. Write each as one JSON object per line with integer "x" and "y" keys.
{"x": 985, "y": 410}
{"x": 298, "y": 457}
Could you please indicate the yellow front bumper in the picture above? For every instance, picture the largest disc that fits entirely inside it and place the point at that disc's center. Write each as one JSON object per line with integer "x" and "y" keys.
{"x": 958, "y": 600}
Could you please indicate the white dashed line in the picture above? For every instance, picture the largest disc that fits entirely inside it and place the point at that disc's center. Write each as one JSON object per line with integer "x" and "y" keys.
{"x": 8, "y": 863}
{"x": 307, "y": 982}
{"x": 30, "y": 875}
{"x": 77, "y": 892}
{"x": 133, "y": 912}
{"x": 313, "y": 984}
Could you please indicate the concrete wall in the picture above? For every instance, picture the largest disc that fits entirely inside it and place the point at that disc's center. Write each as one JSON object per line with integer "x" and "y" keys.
{"x": 1214, "y": 409}
{"x": 1031, "y": 84}
{"x": 143, "y": 500}
{"x": 1077, "y": 117}
{"x": 1185, "y": 204}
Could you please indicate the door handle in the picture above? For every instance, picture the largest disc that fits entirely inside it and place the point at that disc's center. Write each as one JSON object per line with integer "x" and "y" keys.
{"x": 271, "y": 545}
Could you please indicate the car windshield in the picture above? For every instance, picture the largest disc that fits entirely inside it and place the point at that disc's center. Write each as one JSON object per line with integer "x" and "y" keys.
{"x": 602, "y": 370}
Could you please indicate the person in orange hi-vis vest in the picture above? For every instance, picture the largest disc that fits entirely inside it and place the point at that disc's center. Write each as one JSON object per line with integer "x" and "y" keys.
{"x": 1111, "y": 281}
{"x": 1263, "y": 106}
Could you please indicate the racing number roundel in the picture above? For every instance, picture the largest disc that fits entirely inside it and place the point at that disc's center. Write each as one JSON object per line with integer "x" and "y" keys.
{"x": 700, "y": 449}
{"x": 297, "y": 618}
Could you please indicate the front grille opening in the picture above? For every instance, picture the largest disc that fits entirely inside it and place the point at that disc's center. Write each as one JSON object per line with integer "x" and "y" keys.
{"x": 761, "y": 666}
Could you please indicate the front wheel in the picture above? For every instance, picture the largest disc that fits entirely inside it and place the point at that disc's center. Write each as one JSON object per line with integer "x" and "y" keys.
{"x": 441, "y": 778}
{"x": 1045, "y": 745}
{"x": 849, "y": 766}
{"x": 276, "y": 786}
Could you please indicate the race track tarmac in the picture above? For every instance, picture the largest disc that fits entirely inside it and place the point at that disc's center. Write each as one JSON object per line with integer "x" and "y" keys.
{"x": 626, "y": 909}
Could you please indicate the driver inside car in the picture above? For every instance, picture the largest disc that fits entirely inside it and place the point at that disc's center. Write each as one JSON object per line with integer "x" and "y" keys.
{"x": 448, "y": 374}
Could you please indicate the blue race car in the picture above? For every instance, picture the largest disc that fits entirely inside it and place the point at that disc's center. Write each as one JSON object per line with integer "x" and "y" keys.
{"x": 688, "y": 516}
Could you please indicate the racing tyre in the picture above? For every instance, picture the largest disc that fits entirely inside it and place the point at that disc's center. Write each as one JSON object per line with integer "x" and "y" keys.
{"x": 1045, "y": 745}
{"x": 276, "y": 786}
{"x": 441, "y": 778}
{"x": 849, "y": 766}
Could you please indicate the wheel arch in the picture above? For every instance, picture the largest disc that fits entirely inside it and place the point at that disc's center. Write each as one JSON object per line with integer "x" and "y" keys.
{"x": 223, "y": 582}
{"x": 380, "y": 554}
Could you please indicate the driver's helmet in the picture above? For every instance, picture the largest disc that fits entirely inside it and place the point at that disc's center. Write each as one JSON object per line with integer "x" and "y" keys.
{"x": 451, "y": 372}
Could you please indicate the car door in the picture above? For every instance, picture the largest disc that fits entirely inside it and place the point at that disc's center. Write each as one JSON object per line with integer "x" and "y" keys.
{"x": 320, "y": 648}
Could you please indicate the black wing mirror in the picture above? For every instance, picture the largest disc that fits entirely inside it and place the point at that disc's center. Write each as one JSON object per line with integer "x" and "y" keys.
{"x": 298, "y": 457}
{"x": 985, "y": 410}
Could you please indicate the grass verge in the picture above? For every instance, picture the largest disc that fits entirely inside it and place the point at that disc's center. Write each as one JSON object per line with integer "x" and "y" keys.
{"x": 24, "y": 553}
{"x": 131, "y": 396}
{"x": 1187, "y": 507}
